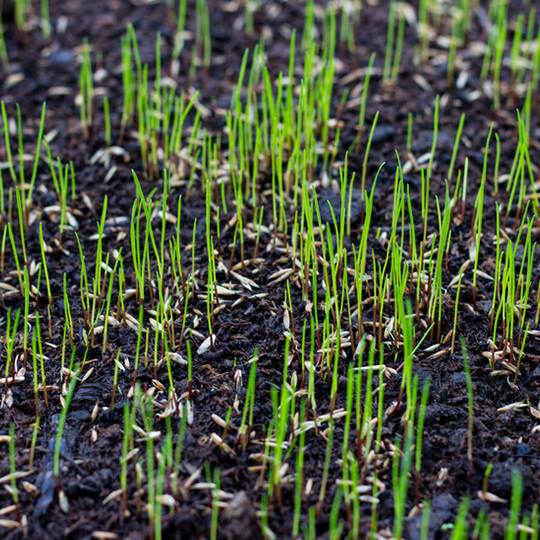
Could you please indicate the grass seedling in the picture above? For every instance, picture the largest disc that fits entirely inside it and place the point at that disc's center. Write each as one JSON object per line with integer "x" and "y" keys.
{"x": 180, "y": 27}
{"x": 203, "y": 36}
{"x": 456, "y": 311}
{"x": 45, "y": 18}
{"x": 38, "y": 154}
{"x": 459, "y": 530}
{"x": 4, "y": 57}
{"x": 127, "y": 442}
{"x": 63, "y": 177}
{"x": 498, "y": 54}
{"x": 434, "y": 140}
{"x": 455, "y": 149}
{"x": 420, "y": 426}
{"x": 454, "y": 43}
{"x": 59, "y": 437}
{"x": 38, "y": 351}
{"x": 250, "y": 7}
{"x": 249, "y": 403}
{"x": 33, "y": 442}
{"x": 481, "y": 527}
{"x": 214, "y": 519}
{"x": 7, "y": 142}
{"x": 423, "y": 27}
{"x": 485, "y": 480}
{"x": 437, "y": 296}
{"x": 13, "y": 466}
{"x": 366, "y": 153}
{"x": 470, "y": 403}
{"x": 399, "y": 46}
{"x": 299, "y": 477}
{"x": 521, "y": 352}
{"x": 426, "y": 514}
{"x": 86, "y": 90}
{"x": 479, "y": 215}
{"x": 12, "y": 326}
{"x": 515, "y": 506}
{"x": 394, "y": 43}
{"x": 35, "y": 373}
{"x": 401, "y": 463}
{"x": 533, "y": 529}
{"x": 106, "y": 120}
{"x": 280, "y": 428}
{"x": 21, "y": 9}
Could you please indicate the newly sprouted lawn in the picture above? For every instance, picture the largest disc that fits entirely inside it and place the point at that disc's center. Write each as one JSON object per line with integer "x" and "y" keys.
{"x": 300, "y": 303}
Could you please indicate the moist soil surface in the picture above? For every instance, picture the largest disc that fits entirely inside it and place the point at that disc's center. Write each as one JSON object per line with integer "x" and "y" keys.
{"x": 47, "y": 69}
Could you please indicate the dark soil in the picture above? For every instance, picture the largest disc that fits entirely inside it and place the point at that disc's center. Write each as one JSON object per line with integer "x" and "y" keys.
{"x": 47, "y": 70}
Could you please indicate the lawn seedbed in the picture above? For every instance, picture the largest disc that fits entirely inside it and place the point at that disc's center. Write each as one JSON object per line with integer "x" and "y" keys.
{"x": 269, "y": 269}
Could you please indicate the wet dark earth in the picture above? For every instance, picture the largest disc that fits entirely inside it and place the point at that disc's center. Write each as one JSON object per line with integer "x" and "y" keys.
{"x": 506, "y": 409}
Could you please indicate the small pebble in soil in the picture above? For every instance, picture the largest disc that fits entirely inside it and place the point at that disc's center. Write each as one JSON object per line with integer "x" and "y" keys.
{"x": 424, "y": 140}
{"x": 383, "y": 133}
{"x": 241, "y": 517}
{"x": 523, "y": 450}
{"x": 61, "y": 58}
{"x": 88, "y": 392}
{"x": 328, "y": 198}
{"x": 48, "y": 198}
{"x": 442, "y": 508}
{"x": 500, "y": 480}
